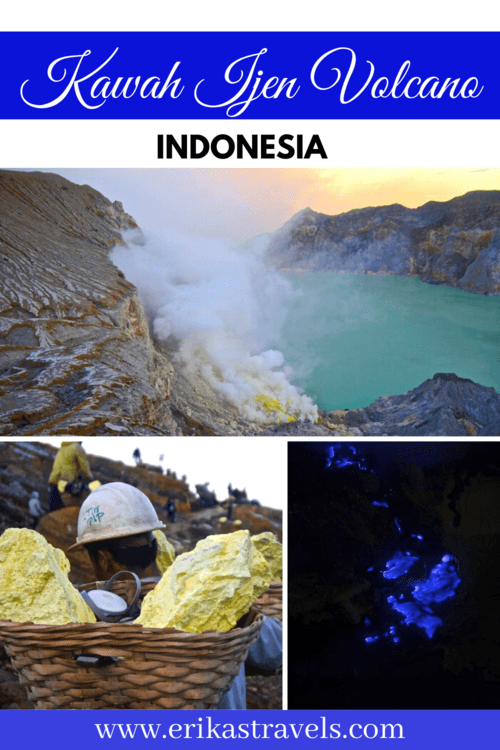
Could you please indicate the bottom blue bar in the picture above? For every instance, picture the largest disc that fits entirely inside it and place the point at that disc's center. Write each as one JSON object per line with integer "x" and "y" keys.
{"x": 424, "y": 730}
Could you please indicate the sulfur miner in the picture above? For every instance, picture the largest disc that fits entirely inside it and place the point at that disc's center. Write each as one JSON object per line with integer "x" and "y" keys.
{"x": 34, "y": 584}
{"x": 117, "y": 526}
{"x": 272, "y": 551}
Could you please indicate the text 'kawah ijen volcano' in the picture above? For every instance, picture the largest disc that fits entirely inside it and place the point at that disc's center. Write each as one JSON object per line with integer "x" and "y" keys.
{"x": 108, "y": 329}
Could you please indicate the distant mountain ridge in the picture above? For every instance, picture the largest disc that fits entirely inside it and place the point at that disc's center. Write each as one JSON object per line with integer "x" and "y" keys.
{"x": 453, "y": 243}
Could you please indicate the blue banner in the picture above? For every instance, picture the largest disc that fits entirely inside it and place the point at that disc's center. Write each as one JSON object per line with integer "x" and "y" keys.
{"x": 432, "y": 730}
{"x": 250, "y": 75}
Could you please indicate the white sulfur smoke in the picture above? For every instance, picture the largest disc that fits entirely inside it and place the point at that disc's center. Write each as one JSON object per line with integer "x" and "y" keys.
{"x": 226, "y": 308}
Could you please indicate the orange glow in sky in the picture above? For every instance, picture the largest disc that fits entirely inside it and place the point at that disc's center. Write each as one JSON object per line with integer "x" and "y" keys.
{"x": 237, "y": 204}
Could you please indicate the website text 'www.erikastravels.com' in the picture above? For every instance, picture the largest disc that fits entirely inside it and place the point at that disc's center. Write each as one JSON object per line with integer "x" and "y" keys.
{"x": 206, "y": 728}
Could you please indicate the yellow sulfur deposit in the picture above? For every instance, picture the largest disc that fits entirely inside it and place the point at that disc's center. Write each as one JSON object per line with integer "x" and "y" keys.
{"x": 61, "y": 559}
{"x": 34, "y": 585}
{"x": 271, "y": 549}
{"x": 269, "y": 404}
{"x": 166, "y": 551}
{"x": 273, "y": 405}
{"x": 209, "y": 588}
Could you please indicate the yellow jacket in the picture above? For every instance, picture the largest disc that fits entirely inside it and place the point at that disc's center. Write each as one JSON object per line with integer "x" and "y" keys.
{"x": 70, "y": 463}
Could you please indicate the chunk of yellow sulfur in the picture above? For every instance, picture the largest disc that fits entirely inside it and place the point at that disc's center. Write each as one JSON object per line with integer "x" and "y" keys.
{"x": 269, "y": 404}
{"x": 209, "y": 588}
{"x": 166, "y": 551}
{"x": 271, "y": 549}
{"x": 34, "y": 584}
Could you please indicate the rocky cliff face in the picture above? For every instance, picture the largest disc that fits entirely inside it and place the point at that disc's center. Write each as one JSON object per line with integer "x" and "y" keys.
{"x": 443, "y": 405}
{"x": 76, "y": 355}
{"x": 456, "y": 243}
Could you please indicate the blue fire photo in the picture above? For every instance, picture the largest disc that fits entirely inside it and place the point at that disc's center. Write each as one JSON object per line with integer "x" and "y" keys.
{"x": 394, "y": 549}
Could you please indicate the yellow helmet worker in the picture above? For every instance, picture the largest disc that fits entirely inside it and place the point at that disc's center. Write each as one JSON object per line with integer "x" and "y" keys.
{"x": 70, "y": 465}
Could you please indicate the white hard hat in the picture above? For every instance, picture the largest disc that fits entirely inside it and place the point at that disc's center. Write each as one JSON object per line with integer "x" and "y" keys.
{"x": 115, "y": 510}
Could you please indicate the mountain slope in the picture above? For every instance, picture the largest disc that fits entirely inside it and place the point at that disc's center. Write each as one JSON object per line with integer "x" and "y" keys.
{"x": 455, "y": 243}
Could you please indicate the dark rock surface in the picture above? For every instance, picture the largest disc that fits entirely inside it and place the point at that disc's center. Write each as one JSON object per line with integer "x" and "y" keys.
{"x": 76, "y": 356}
{"x": 444, "y": 405}
{"x": 455, "y": 243}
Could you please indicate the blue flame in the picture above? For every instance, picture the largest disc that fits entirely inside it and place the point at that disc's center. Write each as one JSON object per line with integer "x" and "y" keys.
{"x": 399, "y": 565}
{"x": 414, "y": 614}
{"x": 380, "y": 505}
{"x": 344, "y": 462}
{"x": 440, "y": 585}
{"x": 344, "y": 454}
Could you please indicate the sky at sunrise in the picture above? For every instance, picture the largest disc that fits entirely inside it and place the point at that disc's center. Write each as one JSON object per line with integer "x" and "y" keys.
{"x": 238, "y": 204}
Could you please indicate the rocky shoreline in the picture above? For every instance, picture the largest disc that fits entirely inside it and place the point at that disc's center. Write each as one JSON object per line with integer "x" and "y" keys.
{"x": 77, "y": 355}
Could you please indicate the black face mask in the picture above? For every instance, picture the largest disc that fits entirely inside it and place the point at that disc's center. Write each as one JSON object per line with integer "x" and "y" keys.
{"x": 134, "y": 557}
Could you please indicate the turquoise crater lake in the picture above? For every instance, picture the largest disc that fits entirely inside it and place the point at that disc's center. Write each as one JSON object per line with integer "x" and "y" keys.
{"x": 353, "y": 338}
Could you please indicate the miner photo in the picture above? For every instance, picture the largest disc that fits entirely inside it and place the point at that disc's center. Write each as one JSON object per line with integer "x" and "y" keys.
{"x": 124, "y": 586}
{"x": 394, "y": 591}
{"x": 250, "y": 302}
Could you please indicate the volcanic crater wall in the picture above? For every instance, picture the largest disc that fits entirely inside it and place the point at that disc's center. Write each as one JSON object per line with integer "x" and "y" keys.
{"x": 75, "y": 351}
{"x": 454, "y": 243}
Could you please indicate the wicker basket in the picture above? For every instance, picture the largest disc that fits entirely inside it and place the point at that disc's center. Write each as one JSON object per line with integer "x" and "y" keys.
{"x": 270, "y": 603}
{"x": 157, "y": 668}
